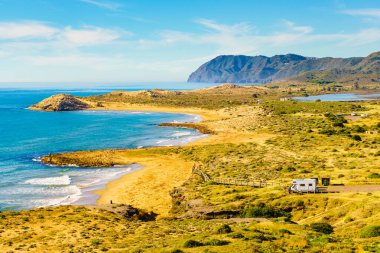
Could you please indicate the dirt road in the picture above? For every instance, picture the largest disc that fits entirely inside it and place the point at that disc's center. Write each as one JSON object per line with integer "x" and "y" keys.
{"x": 354, "y": 188}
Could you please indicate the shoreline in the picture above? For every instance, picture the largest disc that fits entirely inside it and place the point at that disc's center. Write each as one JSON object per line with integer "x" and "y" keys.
{"x": 153, "y": 175}
{"x": 204, "y": 114}
{"x": 91, "y": 192}
{"x": 149, "y": 188}
{"x": 88, "y": 195}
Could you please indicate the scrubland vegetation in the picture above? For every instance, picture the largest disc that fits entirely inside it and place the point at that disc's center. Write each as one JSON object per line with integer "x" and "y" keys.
{"x": 274, "y": 141}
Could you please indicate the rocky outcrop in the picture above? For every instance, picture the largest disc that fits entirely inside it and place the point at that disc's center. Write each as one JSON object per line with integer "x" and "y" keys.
{"x": 262, "y": 69}
{"x": 61, "y": 102}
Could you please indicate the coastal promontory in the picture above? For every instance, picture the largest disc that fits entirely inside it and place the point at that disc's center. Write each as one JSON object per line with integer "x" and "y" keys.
{"x": 61, "y": 102}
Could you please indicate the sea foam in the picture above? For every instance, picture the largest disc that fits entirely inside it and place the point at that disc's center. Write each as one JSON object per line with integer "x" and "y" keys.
{"x": 180, "y": 134}
{"x": 63, "y": 180}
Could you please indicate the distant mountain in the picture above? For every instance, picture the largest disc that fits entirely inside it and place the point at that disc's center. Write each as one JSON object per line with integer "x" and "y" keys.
{"x": 262, "y": 69}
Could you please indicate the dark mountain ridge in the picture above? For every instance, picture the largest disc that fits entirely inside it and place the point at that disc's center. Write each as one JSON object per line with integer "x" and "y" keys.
{"x": 263, "y": 69}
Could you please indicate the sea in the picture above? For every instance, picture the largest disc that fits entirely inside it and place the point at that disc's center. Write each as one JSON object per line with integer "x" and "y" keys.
{"x": 27, "y": 135}
{"x": 342, "y": 97}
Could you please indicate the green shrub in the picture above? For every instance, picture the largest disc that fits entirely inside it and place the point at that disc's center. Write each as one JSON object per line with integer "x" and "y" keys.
{"x": 374, "y": 175}
{"x": 348, "y": 219}
{"x": 263, "y": 211}
{"x": 192, "y": 244}
{"x": 358, "y": 129}
{"x": 286, "y": 169}
{"x": 370, "y": 231}
{"x": 224, "y": 229}
{"x": 96, "y": 242}
{"x": 216, "y": 242}
{"x": 237, "y": 236}
{"x": 285, "y": 231}
{"x": 337, "y": 121}
{"x": 357, "y": 137}
{"x": 321, "y": 227}
{"x": 319, "y": 240}
{"x": 327, "y": 131}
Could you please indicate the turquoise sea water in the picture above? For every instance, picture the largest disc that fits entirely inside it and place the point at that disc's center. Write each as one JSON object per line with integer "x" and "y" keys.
{"x": 27, "y": 135}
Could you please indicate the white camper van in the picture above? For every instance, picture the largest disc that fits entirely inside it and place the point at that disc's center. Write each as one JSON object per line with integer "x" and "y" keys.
{"x": 304, "y": 185}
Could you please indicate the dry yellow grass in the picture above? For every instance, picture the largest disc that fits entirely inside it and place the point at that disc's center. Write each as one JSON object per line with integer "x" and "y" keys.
{"x": 149, "y": 188}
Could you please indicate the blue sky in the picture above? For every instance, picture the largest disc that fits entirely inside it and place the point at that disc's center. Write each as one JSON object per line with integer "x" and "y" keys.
{"x": 165, "y": 40}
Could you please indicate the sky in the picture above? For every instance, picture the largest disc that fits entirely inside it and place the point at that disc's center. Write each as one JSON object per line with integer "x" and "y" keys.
{"x": 110, "y": 41}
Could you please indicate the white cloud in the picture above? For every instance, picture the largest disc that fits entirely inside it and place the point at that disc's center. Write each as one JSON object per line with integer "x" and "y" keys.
{"x": 362, "y": 38}
{"x": 104, "y": 5}
{"x": 240, "y": 28}
{"x": 37, "y": 35}
{"x": 292, "y": 27}
{"x": 67, "y": 53}
{"x": 374, "y": 13}
{"x": 238, "y": 38}
{"x": 241, "y": 38}
{"x": 26, "y": 29}
{"x": 229, "y": 39}
{"x": 89, "y": 36}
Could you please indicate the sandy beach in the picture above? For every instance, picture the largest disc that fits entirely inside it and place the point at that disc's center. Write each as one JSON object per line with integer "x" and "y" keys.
{"x": 149, "y": 187}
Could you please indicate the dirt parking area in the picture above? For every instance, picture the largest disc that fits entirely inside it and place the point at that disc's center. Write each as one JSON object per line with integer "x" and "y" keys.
{"x": 353, "y": 118}
{"x": 354, "y": 188}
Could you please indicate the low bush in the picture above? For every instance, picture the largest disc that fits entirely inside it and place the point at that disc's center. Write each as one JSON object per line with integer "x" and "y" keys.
{"x": 285, "y": 231}
{"x": 237, "y": 236}
{"x": 286, "y": 169}
{"x": 370, "y": 231}
{"x": 192, "y": 244}
{"x": 348, "y": 219}
{"x": 319, "y": 240}
{"x": 327, "y": 131}
{"x": 321, "y": 227}
{"x": 224, "y": 229}
{"x": 374, "y": 175}
{"x": 358, "y": 129}
{"x": 216, "y": 242}
{"x": 263, "y": 211}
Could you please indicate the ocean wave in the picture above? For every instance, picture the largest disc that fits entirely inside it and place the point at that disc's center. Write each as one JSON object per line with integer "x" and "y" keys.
{"x": 181, "y": 134}
{"x": 71, "y": 165}
{"x": 63, "y": 180}
{"x": 38, "y": 159}
{"x": 74, "y": 194}
{"x": 139, "y": 112}
{"x": 41, "y": 191}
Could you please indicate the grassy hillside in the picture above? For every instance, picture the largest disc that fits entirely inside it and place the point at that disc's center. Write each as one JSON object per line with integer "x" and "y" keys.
{"x": 274, "y": 142}
{"x": 79, "y": 229}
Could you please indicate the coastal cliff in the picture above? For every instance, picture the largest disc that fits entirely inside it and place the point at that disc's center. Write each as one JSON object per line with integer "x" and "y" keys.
{"x": 263, "y": 69}
{"x": 61, "y": 102}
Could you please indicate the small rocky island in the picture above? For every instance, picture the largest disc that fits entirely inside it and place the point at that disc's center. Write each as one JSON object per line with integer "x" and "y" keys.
{"x": 61, "y": 102}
